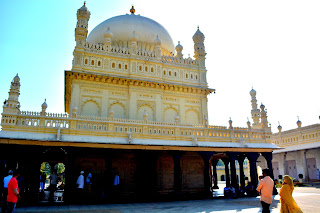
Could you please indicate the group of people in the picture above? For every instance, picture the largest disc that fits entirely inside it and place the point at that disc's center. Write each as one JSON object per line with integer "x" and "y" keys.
{"x": 81, "y": 181}
{"x": 265, "y": 190}
{"x": 11, "y": 193}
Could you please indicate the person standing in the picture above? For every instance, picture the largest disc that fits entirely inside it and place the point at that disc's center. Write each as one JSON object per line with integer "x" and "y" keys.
{"x": 5, "y": 190}
{"x": 80, "y": 181}
{"x": 318, "y": 174}
{"x": 80, "y": 186}
{"x": 265, "y": 189}
{"x": 89, "y": 182}
{"x": 116, "y": 184}
{"x": 13, "y": 192}
{"x": 53, "y": 185}
{"x": 288, "y": 204}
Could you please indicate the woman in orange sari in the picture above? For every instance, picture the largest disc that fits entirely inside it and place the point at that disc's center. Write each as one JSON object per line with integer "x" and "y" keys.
{"x": 288, "y": 205}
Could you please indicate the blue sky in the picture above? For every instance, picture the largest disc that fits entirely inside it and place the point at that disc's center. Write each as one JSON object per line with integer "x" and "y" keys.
{"x": 272, "y": 46}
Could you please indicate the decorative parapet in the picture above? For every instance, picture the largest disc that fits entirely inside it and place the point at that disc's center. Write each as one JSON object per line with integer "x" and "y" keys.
{"x": 115, "y": 50}
{"x": 99, "y": 126}
{"x": 303, "y": 135}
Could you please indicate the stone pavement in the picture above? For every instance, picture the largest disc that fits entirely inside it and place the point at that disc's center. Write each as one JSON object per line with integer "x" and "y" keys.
{"x": 308, "y": 198}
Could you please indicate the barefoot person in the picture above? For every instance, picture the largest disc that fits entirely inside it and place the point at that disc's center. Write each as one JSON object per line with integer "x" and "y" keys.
{"x": 265, "y": 189}
{"x": 288, "y": 205}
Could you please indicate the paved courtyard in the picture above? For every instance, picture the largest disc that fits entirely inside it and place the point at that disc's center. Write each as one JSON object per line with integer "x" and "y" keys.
{"x": 308, "y": 198}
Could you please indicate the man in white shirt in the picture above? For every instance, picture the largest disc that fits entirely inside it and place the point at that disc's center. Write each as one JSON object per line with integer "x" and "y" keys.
{"x": 265, "y": 189}
{"x": 5, "y": 190}
{"x": 80, "y": 181}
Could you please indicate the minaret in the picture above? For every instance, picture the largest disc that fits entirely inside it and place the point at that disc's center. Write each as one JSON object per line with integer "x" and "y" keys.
{"x": 81, "y": 31}
{"x": 264, "y": 117}
{"x": 199, "y": 50}
{"x": 12, "y": 105}
{"x": 179, "y": 49}
{"x": 255, "y": 112}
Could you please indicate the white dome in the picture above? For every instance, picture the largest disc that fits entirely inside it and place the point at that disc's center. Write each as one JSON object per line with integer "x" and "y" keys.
{"x": 123, "y": 26}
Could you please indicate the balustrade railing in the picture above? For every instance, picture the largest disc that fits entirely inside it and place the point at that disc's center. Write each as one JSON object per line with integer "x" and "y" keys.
{"x": 118, "y": 125}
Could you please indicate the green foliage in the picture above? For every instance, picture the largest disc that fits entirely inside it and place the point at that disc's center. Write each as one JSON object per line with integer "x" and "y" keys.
{"x": 60, "y": 168}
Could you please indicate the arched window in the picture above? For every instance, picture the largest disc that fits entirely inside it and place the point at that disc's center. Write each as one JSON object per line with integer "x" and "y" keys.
{"x": 99, "y": 63}
{"x": 113, "y": 65}
{"x": 186, "y": 75}
{"x": 191, "y": 76}
{"x": 170, "y": 73}
{"x": 86, "y": 61}
{"x": 175, "y": 74}
{"x": 119, "y": 66}
{"x": 196, "y": 76}
{"x": 126, "y": 66}
{"x": 92, "y": 62}
{"x": 146, "y": 69}
{"x": 164, "y": 72}
{"x": 140, "y": 68}
{"x": 151, "y": 69}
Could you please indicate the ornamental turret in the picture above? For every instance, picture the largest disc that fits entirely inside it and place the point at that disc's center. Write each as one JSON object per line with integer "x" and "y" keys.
{"x": 107, "y": 39}
{"x": 133, "y": 43}
{"x": 157, "y": 47}
{"x": 199, "y": 50}
{"x": 81, "y": 31}
{"x": 299, "y": 123}
{"x": 279, "y": 127}
{"x": 255, "y": 112}
{"x": 179, "y": 49}
{"x": 44, "y": 107}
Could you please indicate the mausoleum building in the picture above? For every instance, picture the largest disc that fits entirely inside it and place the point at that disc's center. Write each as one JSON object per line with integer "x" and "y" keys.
{"x": 134, "y": 105}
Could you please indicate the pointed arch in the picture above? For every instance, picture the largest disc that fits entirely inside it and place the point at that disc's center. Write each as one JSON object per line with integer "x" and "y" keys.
{"x": 90, "y": 107}
{"x": 119, "y": 109}
{"x": 169, "y": 114}
{"x": 192, "y": 116}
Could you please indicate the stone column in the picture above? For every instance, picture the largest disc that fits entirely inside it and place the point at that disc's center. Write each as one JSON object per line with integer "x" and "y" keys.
{"x": 253, "y": 156}
{"x": 233, "y": 157}
{"x": 285, "y": 168}
{"x": 226, "y": 166}
{"x": 177, "y": 171}
{"x": 242, "y": 181}
{"x": 70, "y": 175}
{"x": 268, "y": 157}
{"x": 206, "y": 172}
{"x": 305, "y": 166}
{"x": 214, "y": 173}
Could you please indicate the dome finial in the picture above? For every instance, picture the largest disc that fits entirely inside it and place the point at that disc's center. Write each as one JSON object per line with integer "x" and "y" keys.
{"x": 132, "y": 10}
{"x": 84, "y": 3}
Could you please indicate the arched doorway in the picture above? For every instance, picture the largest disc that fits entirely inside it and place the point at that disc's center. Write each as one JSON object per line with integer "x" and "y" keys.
{"x": 52, "y": 175}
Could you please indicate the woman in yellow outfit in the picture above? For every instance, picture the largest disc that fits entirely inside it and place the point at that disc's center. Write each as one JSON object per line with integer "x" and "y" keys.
{"x": 288, "y": 205}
